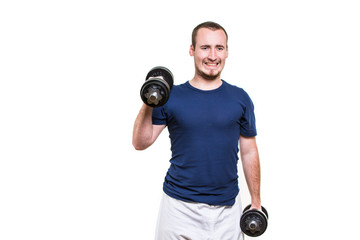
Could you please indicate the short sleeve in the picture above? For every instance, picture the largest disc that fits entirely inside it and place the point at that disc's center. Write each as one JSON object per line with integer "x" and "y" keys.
{"x": 247, "y": 121}
{"x": 159, "y": 116}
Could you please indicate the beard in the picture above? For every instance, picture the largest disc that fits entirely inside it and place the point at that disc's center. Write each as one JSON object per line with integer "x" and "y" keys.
{"x": 210, "y": 77}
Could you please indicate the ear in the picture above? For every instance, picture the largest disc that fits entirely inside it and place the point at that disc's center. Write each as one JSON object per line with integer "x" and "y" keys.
{"x": 191, "y": 51}
{"x": 227, "y": 51}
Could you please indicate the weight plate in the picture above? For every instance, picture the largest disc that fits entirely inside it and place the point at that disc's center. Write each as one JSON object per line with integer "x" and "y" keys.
{"x": 255, "y": 217}
{"x": 155, "y": 84}
{"x": 161, "y": 71}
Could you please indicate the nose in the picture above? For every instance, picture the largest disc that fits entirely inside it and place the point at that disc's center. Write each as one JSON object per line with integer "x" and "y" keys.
{"x": 212, "y": 55}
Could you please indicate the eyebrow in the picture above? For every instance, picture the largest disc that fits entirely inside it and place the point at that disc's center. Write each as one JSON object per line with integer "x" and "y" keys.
{"x": 217, "y": 46}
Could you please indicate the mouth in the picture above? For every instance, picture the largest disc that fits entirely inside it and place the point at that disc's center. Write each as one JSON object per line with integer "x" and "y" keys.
{"x": 211, "y": 65}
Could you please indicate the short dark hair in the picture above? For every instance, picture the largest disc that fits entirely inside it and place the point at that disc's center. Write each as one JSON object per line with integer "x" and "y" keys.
{"x": 209, "y": 25}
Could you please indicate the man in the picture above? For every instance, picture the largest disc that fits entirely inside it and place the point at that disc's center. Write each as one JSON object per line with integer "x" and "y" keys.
{"x": 208, "y": 120}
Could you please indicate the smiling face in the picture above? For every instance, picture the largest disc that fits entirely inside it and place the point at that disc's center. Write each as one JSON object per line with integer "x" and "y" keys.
{"x": 209, "y": 53}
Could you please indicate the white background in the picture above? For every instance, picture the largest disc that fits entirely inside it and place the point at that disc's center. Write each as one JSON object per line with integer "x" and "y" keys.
{"x": 70, "y": 76}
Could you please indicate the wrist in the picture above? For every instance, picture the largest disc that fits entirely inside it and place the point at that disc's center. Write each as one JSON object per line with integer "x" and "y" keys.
{"x": 256, "y": 204}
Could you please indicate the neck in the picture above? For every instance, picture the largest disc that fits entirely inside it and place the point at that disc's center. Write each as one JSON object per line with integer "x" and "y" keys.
{"x": 205, "y": 84}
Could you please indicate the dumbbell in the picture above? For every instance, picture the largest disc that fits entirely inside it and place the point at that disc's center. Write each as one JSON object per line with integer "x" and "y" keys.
{"x": 155, "y": 91}
{"x": 253, "y": 222}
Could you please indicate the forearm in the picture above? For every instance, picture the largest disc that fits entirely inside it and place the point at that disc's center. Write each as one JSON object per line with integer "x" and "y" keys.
{"x": 143, "y": 129}
{"x": 251, "y": 167}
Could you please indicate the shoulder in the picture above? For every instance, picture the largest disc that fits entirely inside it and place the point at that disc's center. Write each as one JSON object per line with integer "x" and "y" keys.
{"x": 178, "y": 89}
{"x": 236, "y": 91}
{"x": 177, "y": 92}
{"x": 181, "y": 85}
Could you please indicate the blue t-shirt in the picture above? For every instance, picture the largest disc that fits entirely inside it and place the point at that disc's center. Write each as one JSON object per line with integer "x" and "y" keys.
{"x": 205, "y": 128}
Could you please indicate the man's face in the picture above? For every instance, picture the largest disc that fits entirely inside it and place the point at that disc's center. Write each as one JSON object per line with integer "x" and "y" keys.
{"x": 209, "y": 53}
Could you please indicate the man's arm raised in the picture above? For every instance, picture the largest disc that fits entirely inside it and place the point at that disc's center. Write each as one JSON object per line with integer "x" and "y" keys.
{"x": 144, "y": 132}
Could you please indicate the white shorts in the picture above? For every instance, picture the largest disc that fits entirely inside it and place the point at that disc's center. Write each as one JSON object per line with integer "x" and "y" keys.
{"x": 179, "y": 220}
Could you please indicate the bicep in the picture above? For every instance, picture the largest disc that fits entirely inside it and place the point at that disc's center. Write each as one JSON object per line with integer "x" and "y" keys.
{"x": 247, "y": 145}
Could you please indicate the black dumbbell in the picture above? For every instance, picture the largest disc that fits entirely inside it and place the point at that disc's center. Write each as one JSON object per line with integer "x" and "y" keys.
{"x": 254, "y": 222}
{"x": 155, "y": 91}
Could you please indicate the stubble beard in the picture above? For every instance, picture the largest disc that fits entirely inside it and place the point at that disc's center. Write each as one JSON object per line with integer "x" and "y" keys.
{"x": 210, "y": 77}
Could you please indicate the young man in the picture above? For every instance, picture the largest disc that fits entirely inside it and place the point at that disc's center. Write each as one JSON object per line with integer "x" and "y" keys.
{"x": 208, "y": 120}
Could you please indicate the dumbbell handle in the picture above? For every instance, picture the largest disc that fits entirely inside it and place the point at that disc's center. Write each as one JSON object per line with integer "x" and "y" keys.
{"x": 253, "y": 225}
{"x": 153, "y": 96}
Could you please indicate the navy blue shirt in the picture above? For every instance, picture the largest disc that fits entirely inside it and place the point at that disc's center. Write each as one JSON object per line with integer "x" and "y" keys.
{"x": 205, "y": 128}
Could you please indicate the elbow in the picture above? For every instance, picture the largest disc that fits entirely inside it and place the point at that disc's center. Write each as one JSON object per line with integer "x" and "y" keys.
{"x": 138, "y": 146}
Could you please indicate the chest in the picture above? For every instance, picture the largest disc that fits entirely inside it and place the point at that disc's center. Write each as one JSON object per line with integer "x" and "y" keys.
{"x": 205, "y": 111}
